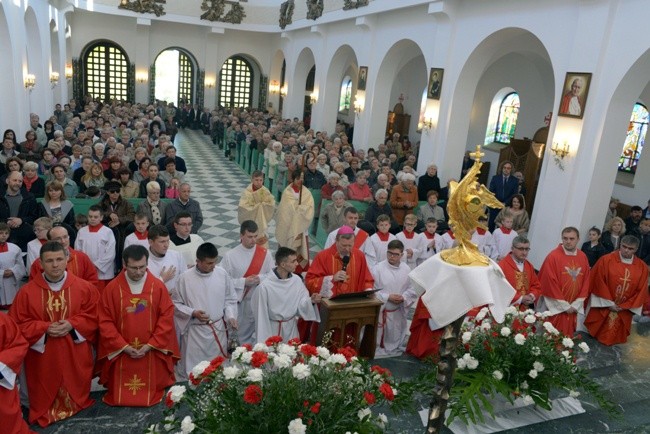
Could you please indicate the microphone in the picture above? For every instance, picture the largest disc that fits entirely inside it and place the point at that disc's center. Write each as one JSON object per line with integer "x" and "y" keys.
{"x": 346, "y": 261}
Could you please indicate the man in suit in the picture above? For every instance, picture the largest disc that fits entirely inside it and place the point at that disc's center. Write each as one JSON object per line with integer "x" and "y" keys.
{"x": 504, "y": 186}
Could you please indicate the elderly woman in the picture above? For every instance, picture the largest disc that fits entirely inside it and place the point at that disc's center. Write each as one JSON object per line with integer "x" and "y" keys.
{"x": 429, "y": 181}
{"x": 375, "y": 209}
{"x": 339, "y": 169}
{"x": 152, "y": 206}
{"x": 431, "y": 209}
{"x": 31, "y": 181}
{"x": 332, "y": 185}
{"x": 332, "y": 217}
{"x": 404, "y": 198}
{"x": 276, "y": 156}
{"x": 30, "y": 146}
{"x": 359, "y": 189}
{"x": 321, "y": 164}
{"x": 55, "y": 205}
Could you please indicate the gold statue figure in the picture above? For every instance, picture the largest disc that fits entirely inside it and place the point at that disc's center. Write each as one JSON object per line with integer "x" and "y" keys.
{"x": 467, "y": 202}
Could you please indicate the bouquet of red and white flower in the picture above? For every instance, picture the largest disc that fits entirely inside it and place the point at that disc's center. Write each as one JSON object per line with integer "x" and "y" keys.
{"x": 276, "y": 387}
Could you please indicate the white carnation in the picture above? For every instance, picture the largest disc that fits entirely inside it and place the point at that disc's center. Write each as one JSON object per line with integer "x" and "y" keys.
{"x": 574, "y": 394}
{"x": 323, "y": 352}
{"x": 297, "y": 427}
{"x": 532, "y": 373}
{"x": 247, "y": 356}
{"x": 238, "y": 352}
{"x": 462, "y": 364}
{"x": 467, "y": 336}
{"x": 567, "y": 342}
{"x": 337, "y": 358}
{"x": 498, "y": 375}
{"x": 535, "y": 351}
{"x": 528, "y": 399}
{"x": 176, "y": 393}
{"x": 539, "y": 367}
{"x": 260, "y": 346}
{"x": 382, "y": 420}
{"x": 524, "y": 385}
{"x": 505, "y": 331}
{"x": 520, "y": 339}
{"x": 255, "y": 375}
{"x": 282, "y": 361}
{"x": 481, "y": 315}
{"x": 472, "y": 363}
{"x": 584, "y": 347}
{"x": 486, "y": 325}
{"x": 197, "y": 371}
{"x": 301, "y": 371}
{"x": 315, "y": 361}
{"x": 288, "y": 350}
{"x": 230, "y": 372}
{"x": 511, "y": 310}
{"x": 530, "y": 319}
{"x": 363, "y": 413}
{"x": 187, "y": 425}
{"x": 169, "y": 425}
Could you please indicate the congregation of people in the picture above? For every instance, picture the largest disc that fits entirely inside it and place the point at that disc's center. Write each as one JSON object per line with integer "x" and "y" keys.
{"x": 136, "y": 298}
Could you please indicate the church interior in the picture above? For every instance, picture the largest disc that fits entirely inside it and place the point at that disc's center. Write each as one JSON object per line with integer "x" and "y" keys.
{"x": 502, "y": 70}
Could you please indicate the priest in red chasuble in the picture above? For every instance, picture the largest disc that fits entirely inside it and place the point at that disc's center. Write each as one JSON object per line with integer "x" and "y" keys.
{"x": 564, "y": 277}
{"x": 520, "y": 273}
{"x": 13, "y": 348}
{"x": 137, "y": 340}
{"x": 57, "y": 314}
{"x": 619, "y": 288}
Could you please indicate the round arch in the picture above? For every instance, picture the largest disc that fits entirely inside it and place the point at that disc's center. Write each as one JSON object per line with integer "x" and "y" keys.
{"x": 343, "y": 63}
{"x": 34, "y": 54}
{"x": 175, "y": 84}
{"x": 298, "y": 93}
{"x": 119, "y": 78}
{"x": 255, "y": 79}
{"x": 275, "y": 79}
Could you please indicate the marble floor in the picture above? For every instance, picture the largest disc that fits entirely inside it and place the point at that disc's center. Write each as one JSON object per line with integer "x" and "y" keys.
{"x": 623, "y": 371}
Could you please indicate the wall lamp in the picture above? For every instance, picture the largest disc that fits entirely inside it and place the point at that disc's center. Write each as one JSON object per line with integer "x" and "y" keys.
{"x": 54, "y": 79}
{"x": 29, "y": 81}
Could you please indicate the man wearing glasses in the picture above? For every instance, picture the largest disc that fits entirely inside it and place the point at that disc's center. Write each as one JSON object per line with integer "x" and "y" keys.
{"x": 182, "y": 240}
{"x": 520, "y": 273}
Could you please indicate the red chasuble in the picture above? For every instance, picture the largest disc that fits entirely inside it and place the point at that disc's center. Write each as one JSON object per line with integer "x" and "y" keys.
{"x": 328, "y": 262}
{"x": 525, "y": 282}
{"x": 13, "y": 348}
{"x": 79, "y": 264}
{"x": 58, "y": 380}
{"x": 624, "y": 284}
{"x": 136, "y": 319}
{"x": 564, "y": 277}
{"x": 423, "y": 341}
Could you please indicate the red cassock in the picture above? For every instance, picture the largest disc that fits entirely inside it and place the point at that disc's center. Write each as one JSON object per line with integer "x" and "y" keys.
{"x": 136, "y": 319}
{"x": 13, "y": 348}
{"x": 565, "y": 277}
{"x": 624, "y": 284}
{"x": 58, "y": 379}
{"x": 78, "y": 264}
{"x": 423, "y": 341}
{"x": 525, "y": 282}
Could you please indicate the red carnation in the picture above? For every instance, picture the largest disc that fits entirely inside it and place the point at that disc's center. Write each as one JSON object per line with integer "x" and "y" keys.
{"x": 348, "y": 352}
{"x": 259, "y": 358}
{"x": 194, "y": 380}
{"x": 309, "y": 350}
{"x": 387, "y": 391}
{"x": 217, "y": 361}
{"x": 384, "y": 372}
{"x": 248, "y": 347}
{"x": 209, "y": 370}
{"x": 253, "y": 394}
{"x": 168, "y": 400}
{"x": 273, "y": 340}
{"x": 315, "y": 408}
{"x": 370, "y": 398}
{"x": 294, "y": 341}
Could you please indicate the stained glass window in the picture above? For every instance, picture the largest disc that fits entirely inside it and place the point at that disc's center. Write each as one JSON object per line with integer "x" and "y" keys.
{"x": 236, "y": 83}
{"x": 346, "y": 94}
{"x": 106, "y": 71}
{"x": 504, "y": 130}
{"x": 634, "y": 140}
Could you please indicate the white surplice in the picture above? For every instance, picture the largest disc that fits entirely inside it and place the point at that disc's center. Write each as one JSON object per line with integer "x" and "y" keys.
{"x": 12, "y": 260}
{"x": 391, "y": 334}
{"x": 236, "y": 263}
{"x": 171, "y": 259}
{"x": 99, "y": 245}
{"x": 188, "y": 250}
{"x": 486, "y": 244}
{"x": 416, "y": 243}
{"x": 214, "y": 293}
{"x": 277, "y": 304}
{"x": 375, "y": 249}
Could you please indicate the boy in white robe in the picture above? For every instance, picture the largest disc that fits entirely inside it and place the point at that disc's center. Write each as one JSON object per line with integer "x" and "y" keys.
{"x": 351, "y": 216}
{"x": 164, "y": 263}
{"x": 281, "y": 298}
{"x": 375, "y": 247}
{"x": 140, "y": 236}
{"x": 447, "y": 241}
{"x": 431, "y": 239}
{"x": 11, "y": 266}
{"x": 414, "y": 244}
{"x": 183, "y": 241}
{"x": 205, "y": 302}
{"x": 41, "y": 226}
{"x": 397, "y": 294}
{"x": 98, "y": 242}
{"x": 246, "y": 264}
{"x": 503, "y": 237}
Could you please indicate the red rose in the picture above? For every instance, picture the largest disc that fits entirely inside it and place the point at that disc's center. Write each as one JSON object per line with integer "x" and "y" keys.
{"x": 387, "y": 391}
{"x": 309, "y": 350}
{"x": 315, "y": 408}
{"x": 259, "y": 358}
{"x": 294, "y": 341}
{"x": 370, "y": 398}
{"x": 253, "y": 394}
{"x": 273, "y": 340}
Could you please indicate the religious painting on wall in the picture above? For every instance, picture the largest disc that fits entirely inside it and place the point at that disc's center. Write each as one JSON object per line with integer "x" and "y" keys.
{"x": 363, "y": 76}
{"x": 435, "y": 83}
{"x": 574, "y": 94}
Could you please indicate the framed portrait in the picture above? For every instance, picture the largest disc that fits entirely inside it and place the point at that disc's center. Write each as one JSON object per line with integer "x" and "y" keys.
{"x": 574, "y": 94}
{"x": 435, "y": 83}
{"x": 363, "y": 77}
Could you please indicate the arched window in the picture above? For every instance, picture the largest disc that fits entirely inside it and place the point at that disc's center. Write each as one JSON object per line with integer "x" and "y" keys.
{"x": 236, "y": 83}
{"x": 504, "y": 129}
{"x": 635, "y": 139}
{"x": 346, "y": 94}
{"x": 174, "y": 76}
{"x": 106, "y": 71}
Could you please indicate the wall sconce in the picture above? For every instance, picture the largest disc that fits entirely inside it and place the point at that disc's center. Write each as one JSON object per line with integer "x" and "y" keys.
{"x": 141, "y": 77}
{"x": 313, "y": 97}
{"x": 359, "y": 104}
{"x": 274, "y": 87}
{"x": 209, "y": 84}
{"x": 54, "y": 79}
{"x": 29, "y": 82}
{"x": 68, "y": 72}
{"x": 284, "y": 91}
{"x": 559, "y": 153}
{"x": 427, "y": 124}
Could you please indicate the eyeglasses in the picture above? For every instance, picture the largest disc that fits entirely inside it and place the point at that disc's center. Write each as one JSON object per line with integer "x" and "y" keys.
{"x": 113, "y": 191}
{"x": 394, "y": 253}
{"x": 523, "y": 249}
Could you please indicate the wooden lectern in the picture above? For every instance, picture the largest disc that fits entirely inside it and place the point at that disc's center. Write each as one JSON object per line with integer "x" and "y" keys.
{"x": 337, "y": 314}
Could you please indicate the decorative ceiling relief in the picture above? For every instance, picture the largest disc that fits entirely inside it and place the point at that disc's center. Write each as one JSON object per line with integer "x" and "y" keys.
{"x": 214, "y": 11}
{"x": 144, "y": 6}
{"x": 314, "y": 9}
{"x": 286, "y": 13}
{"x": 354, "y": 4}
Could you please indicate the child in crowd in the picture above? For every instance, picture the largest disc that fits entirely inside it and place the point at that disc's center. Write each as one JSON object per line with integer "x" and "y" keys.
{"x": 431, "y": 239}
{"x": 504, "y": 236}
{"x": 171, "y": 192}
{"x": 447, "y": 241}
{"x": 98, "y": 242}
{"x": 80, "y": 221}
{"x": 593, "y": 248}
{"x": 485, "y": 241}
{"x": 12, "y": 266}
{"x": 375, "y": 247}
{"x": 414, "y": 244}
{"x": 141, "y": 233}
{"x": 41, "y": 226}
